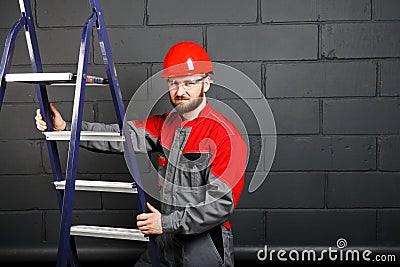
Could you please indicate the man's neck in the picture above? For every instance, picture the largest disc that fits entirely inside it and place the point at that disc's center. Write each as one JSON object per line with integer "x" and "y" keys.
{"x": 195, "y": 113}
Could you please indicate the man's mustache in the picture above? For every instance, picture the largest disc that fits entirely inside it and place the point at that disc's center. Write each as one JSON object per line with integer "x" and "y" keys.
{"x": 181, "y": 98}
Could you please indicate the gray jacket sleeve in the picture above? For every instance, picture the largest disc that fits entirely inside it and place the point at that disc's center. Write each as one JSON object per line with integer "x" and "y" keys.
{"x": 200, "y": 217}
{"x": 142, "y": 141}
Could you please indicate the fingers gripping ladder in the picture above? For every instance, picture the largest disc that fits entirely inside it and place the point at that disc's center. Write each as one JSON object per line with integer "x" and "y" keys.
{"x": 65, "y": 188}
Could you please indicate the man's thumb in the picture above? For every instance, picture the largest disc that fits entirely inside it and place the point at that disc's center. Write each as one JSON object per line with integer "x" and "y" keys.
{"x": 54, "y": 110}
{"x": 151, "y": 208}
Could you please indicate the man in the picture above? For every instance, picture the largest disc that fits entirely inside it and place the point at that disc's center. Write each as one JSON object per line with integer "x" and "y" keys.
{"x": 201, "y": 158}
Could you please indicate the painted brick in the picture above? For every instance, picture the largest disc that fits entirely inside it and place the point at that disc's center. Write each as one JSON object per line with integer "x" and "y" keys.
{"x": 20, "y": 92}
{"x": 20, "y": 157}
{"x": 53, "y": 49}
{"x": 288, "y": 10}
{"x": 232, "y": 81}
{"x": 139, "y": 110}
{"x": 360, "y": 40}
{"x": 344, "y": 10}
{"x": 251, "y": 70}
{"x": 378, "y": 190}
{"x": 386, "y": 9}
{"x": 314, "y": 10}
{"x": 390, "y": 78}
{"x": 255, "y": 156}
{"x": 195, "y": 12}
{"x": 131, "y": 45}
{"x": 236, "y": 81}
{"x": 49, "y": 13}
{"x": 105, "y": 112}
{"x": 325, "y": 153}
{"x": 389, "y": 153}
{"x": 285, "y": 190}
{"x": 250, "y": 231}
{"x": 22, "y": 229}
{"x": 321, "y": 79}
{"x": 20, "y": 122}
{"x": 247, "y": 115}
{"x": 272, "y": 42}
{"x": 117, "y": 12}
{"x": 21, "y": 56}
{"x": 50, "y": 43}
{"x": 26, "y": 192}
{"x": 309, "y": 227}
{"x": 130, "y": 79}
{"x": 295, "y": 116}
{"x": 356, "y": 116}
{"x": 37, "y": 192}
{"x": 89, "y": 162}
{"x": 115, "y": 201}
{"x": 9, "y": 14}
{"x": 388, "y": 221}
{"x": 156, "y": 69}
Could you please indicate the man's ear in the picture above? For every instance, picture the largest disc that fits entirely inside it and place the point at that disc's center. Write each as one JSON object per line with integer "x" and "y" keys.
{"x": 207, "y": 84}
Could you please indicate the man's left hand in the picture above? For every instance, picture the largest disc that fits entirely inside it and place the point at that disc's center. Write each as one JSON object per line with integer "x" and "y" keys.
{"x": 150, "y": 223}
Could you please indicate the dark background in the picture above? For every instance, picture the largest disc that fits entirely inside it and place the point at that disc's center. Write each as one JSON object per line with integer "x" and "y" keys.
{"x": 330, "y": 71}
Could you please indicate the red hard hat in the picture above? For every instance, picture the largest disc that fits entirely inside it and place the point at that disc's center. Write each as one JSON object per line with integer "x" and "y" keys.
{"x": 186, "y": 58}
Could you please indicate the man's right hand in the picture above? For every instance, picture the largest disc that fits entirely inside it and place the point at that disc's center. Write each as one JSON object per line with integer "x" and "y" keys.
{"x": 58, "y": 122}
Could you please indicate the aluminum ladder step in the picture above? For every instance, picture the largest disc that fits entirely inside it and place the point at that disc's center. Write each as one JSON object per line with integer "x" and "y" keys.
{"x": 53, "y": 78}
{"x": 100, "y": 186}
{"x": 108, "y": 232}
{"x": 85, "y": 136}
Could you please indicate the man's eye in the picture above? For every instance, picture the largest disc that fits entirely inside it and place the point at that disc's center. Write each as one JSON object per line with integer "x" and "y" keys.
{"x": 189, "y": 83}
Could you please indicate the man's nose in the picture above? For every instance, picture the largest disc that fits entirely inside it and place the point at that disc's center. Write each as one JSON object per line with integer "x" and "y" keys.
{"x": 180, "y": 90}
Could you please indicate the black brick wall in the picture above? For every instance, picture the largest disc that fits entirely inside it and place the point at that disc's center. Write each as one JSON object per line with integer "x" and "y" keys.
{"x": 330, "y": 71}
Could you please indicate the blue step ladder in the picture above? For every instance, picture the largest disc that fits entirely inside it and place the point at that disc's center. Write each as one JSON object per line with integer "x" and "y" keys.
{"x": 65, "y": 188}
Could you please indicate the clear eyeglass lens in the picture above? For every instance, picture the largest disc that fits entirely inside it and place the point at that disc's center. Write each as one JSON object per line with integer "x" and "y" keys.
{"x": 189, "y": 84}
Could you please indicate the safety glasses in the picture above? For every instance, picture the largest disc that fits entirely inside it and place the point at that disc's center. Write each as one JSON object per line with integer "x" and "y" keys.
{"x": 187, "y": 85}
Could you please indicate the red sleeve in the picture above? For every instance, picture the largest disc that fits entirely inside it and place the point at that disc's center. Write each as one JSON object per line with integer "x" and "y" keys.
{"x": 229, "y": 163}
{"x": 152, "y": 125}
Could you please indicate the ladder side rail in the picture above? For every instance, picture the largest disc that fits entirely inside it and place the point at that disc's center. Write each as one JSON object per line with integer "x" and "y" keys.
{"x": 8, "y": 53}
{"x": 34, "y": 54}
{"x": 41, "y": 91}
{"x": 116, "y": 94}
{"x": 73, "y": 152}
{"x": 132, "y": 164}
{"x": 120, "y": 111}
{"x": 36, "y": 62}
{"x": 108, "y": 61}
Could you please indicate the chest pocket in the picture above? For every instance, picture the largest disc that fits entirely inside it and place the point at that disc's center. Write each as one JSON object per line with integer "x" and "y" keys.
{"x": 195, "y": 167}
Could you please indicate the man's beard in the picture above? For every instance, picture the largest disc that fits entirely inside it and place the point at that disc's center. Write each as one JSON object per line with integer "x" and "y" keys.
{"x": 190, "y": 105}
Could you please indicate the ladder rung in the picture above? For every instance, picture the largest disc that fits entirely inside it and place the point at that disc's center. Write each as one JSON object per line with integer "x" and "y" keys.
{"x": 108, "y": 232}
{"x": 53, "y": 78}
{"x": 101, "y": 186}
{"x": 85, "y": 136}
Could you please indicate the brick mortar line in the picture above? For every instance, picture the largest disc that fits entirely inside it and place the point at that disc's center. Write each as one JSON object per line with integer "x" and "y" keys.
{"x": 260, "y": 24}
